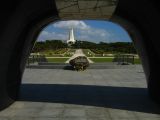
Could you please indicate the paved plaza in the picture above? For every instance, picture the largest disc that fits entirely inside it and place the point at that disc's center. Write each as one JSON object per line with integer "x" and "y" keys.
{"x": 94, "y": 94}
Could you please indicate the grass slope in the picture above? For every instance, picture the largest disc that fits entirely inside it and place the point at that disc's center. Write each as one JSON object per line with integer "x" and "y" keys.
{"x": 57, "y": 60}
{"x": 103, "y": 60}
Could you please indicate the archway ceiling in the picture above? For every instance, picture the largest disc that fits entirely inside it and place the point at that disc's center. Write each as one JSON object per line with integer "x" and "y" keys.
{"x": 85, "y": 9}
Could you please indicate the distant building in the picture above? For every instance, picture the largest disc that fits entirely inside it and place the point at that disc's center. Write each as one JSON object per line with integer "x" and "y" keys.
{"x": 71, "y": 39}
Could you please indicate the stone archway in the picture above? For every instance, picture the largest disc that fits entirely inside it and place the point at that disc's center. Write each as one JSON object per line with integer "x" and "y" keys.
{"x": 24, "y": 21}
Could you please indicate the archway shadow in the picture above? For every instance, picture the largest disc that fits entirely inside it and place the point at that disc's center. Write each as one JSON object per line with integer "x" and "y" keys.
{"x": 125, "y": 98}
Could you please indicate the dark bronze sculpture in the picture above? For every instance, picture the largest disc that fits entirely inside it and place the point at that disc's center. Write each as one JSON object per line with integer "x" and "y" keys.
{"x": 80, "y": 63}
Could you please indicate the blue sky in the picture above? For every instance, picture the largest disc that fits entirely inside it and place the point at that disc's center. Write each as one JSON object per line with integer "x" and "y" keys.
{"x": 90, "y": 30}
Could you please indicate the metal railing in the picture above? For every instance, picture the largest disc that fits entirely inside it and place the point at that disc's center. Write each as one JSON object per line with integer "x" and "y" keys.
{"x": 124, "y": 59}
{"x": 36, "y": 59}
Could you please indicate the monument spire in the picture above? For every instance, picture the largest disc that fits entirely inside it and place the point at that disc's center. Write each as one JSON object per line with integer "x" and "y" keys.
{"x": 71, "y": 39}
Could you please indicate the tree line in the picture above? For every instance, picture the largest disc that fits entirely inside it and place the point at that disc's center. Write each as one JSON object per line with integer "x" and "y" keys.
{"x": 41, "y": 46}
{"x": 123, "y": 47}
{"x": 103, "y": 47}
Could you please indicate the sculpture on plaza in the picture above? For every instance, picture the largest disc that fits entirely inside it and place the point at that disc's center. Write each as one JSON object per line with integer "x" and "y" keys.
{"x": 79, "y": 63}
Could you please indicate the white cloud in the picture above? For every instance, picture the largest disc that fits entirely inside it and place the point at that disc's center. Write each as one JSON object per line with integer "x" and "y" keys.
{"x": 45, "y": 35}
{"x": 95, "y": 35}
{"x": 72, "y": 23}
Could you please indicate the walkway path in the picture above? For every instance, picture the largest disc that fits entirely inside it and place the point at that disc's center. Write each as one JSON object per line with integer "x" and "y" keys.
{"x": 78, "y": 52}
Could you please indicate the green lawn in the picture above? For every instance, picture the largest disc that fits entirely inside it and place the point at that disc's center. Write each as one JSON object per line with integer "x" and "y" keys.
{"x": 137, "y": 61}
{"x": 72, "y": 50}
{"x": 103, "y": 60}
{"x": 57, "y": 60}
{"x": 69, "y": 53}
{"x": 85, "y": 51}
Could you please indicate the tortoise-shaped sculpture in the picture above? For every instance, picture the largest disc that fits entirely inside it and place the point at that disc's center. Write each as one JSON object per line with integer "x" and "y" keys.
{"x": 79, "y": 63}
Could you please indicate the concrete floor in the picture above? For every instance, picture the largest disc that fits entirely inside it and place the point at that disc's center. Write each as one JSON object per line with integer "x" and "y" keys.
{"x": 103, "y": 94}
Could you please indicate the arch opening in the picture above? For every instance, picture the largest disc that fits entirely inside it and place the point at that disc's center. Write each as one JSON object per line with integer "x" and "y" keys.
{"x": 42, "y": 26}
{"x": 30, "y": 26}
{"x": 60, "y": 86}
{"x": 97, "y": 43}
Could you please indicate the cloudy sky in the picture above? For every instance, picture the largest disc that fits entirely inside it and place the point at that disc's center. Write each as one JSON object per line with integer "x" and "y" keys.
{"x": 89, "y": 30}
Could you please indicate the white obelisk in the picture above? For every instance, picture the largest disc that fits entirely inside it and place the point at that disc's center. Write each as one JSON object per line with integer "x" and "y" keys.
{"x": 71, "y": 38}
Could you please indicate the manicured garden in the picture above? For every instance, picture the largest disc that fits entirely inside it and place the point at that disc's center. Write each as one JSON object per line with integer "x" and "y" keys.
{"x": 57, "y": 60}
{"x": 103, "y": 60}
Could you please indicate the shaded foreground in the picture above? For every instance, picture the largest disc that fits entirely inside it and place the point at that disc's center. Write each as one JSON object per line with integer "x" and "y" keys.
{"x": 103, "y": 94}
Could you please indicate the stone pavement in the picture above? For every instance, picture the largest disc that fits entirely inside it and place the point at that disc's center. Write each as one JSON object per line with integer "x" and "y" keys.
{"x": 103, "y": 94}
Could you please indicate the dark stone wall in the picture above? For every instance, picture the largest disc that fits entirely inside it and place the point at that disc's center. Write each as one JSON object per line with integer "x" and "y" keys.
{"x": 20, "y": 24}
{"x": 145, "y": 16}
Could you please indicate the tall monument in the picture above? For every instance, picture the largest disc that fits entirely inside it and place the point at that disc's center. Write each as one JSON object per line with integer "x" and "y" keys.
{"x": 71, "y": 39}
